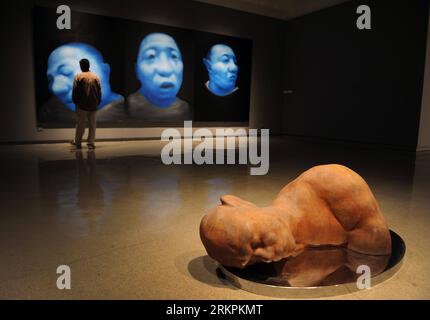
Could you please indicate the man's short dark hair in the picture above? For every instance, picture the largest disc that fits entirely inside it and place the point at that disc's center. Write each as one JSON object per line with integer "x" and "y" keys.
{"x": 85, "y": 65}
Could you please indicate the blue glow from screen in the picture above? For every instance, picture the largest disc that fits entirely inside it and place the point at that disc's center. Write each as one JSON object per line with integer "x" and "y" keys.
{"x": 223, "y": 70}
{"x": 159, "y": 69}
{"x": 63, "y": 66}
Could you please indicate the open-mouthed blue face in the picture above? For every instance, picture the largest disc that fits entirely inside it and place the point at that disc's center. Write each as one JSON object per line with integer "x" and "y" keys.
{"x": 159, "y": 69}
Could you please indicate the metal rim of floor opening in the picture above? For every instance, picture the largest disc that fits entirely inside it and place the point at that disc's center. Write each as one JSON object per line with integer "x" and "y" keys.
{"x": 244, "y": 281}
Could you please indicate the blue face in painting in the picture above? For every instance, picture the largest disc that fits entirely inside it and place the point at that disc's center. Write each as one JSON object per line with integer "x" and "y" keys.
{"x": 159, "y": 69}
{"x": 63, "y": 66}
{"x": 222, "y": 70}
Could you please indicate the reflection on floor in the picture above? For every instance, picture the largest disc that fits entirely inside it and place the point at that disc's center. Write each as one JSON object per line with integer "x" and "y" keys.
{"x": 127, "y": 225}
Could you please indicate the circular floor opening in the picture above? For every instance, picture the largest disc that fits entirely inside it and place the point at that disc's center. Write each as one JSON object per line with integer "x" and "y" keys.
{"x": 318, "y": 272}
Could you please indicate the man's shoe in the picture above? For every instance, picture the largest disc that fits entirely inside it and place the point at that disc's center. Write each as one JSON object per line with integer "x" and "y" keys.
{"x": 76, "y": 145}
{"x": 91, "y": 146}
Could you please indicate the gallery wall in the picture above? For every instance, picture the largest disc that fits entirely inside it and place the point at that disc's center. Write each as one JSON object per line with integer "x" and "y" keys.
{"x": 356, "y": 85}
{"x": 18, "y": 112}
{"x": 424, "y": 131}
{"x": 343, "y": 84}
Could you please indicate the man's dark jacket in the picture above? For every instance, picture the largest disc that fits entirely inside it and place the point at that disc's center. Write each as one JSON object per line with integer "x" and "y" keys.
{"x": 87, "y": 91}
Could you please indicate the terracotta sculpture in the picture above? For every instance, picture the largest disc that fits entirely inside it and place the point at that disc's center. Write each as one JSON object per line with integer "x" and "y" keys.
{"x": 326, "y": 205}
{"x": 321, "y": 266}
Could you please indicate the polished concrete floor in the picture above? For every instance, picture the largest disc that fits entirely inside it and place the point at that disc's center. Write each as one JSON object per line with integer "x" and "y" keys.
{"x": 127, "y": 225}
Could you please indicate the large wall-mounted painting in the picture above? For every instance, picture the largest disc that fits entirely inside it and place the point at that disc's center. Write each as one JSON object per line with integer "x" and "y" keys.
{"x": 150, "y": 74}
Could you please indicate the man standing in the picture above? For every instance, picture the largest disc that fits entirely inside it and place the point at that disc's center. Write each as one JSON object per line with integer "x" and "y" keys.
{"x": 86, "y": 95}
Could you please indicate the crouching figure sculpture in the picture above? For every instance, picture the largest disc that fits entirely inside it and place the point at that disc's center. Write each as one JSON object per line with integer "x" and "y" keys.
{"x": 326, "y": 205}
